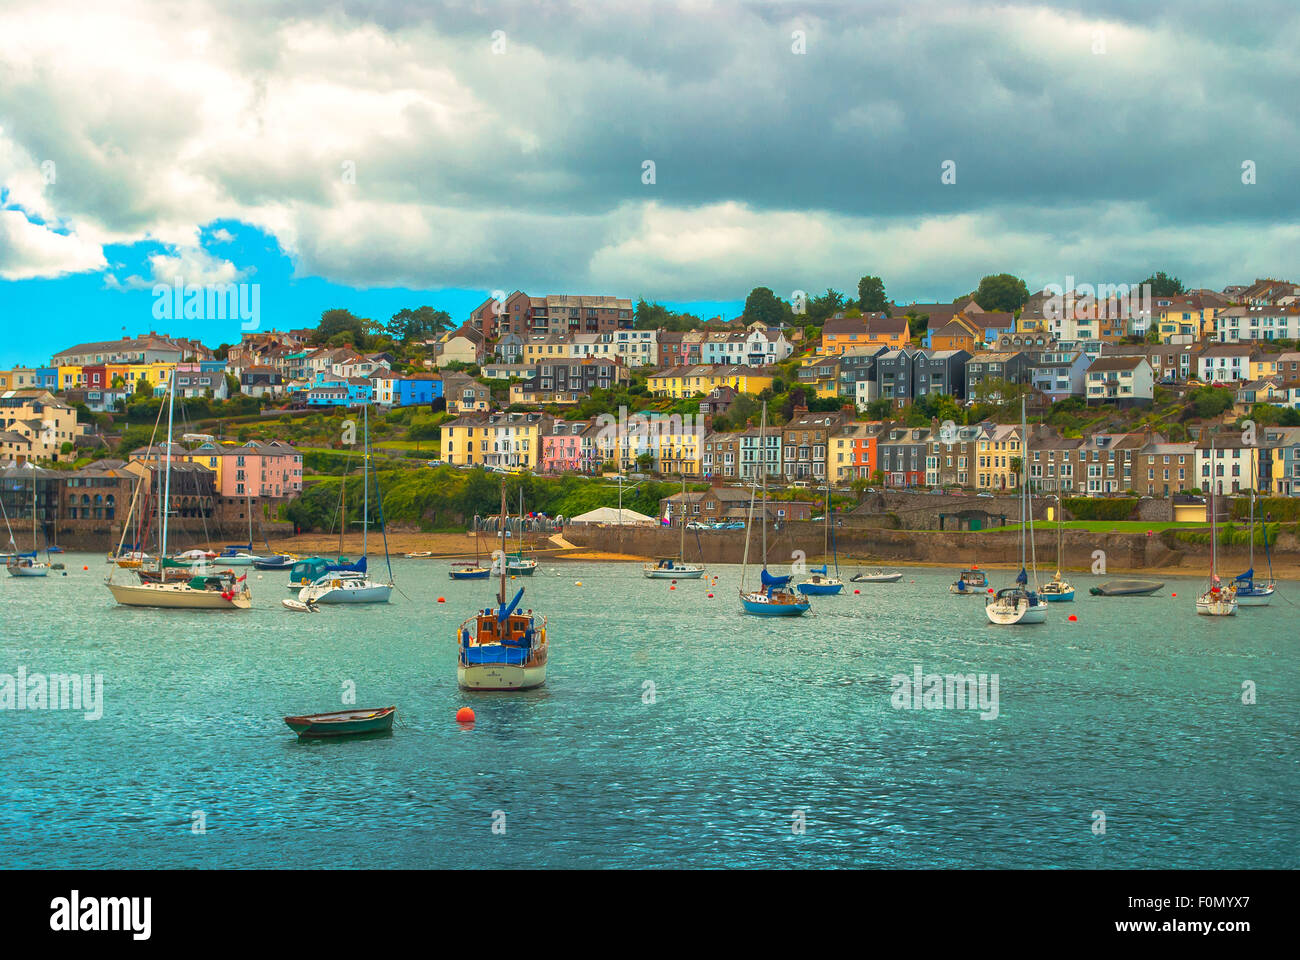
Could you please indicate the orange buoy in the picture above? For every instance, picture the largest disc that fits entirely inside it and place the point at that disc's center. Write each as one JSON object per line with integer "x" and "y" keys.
{"x": 85, "y": 568}
{"x": 672, "y": 587}
{"x": 464, "y": 715}
{"x": 442, "y": 599}
{"x": 1073, "y": 618}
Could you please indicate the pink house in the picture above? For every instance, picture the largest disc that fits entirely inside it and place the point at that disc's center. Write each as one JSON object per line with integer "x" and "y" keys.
{"x": 562, "y": 447}
{"x": 272, "y": 470}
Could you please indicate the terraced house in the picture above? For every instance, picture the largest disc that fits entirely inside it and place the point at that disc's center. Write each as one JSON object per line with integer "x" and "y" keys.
{"x": 685, "y": 382}
{"x": 495, "y": 439}
{"x": 805, "y": 442}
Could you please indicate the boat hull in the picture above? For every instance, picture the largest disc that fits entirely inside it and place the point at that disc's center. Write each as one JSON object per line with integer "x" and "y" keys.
{"x": 819, "y": 589}
{"x": 765, "y": 608}
{"x": 176, "y": 597}
{"x": 683, "y": 573}
{"x": 1255, "y": 598}
{"x": 374, "y": 593}
{"x": 524, "y": 570}
{"x": 1130, "y": 588}
{"x": 500, "y": 676}
{"x": 878, "y": 578}
{"x": 471, "y": 575}
{"x": 1216, "y": 608}
{"x": 36, "y": 570}
{"x": 342, "y": 724}
{"x": 1022, "y": 613}
{"x": 1064, "y": 596}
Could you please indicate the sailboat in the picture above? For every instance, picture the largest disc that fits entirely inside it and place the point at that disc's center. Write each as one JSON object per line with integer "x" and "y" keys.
{"x": 26, "y": 564}
{"x": 196, "y": 591}
{"x": 675, "y": 568}
{"x": 465, "y": 570}
{"x": 1216, "y": 600}
{"x": 1252, "y": 592}
{"x": 519, "y": 565}
{"x": 1018, "y": 604}
{"x": 819, "y": 582}
{"x": 1058, "y": 589}
{"x": 241, "y": 554}
{"x": 356, "y": 586}
{"x": 502, "y": 649}
{"x": 303, "y": 572}
{"x": 772, "y": 598}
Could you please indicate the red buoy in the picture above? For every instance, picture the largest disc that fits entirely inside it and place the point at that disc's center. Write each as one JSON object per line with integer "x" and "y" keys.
{"x": 1173, "y": 594}
{"x": 85, "y": 568}
{"x": 442, "y": 599}
{"x": 857, "y": 591}
{"x": 1073, "y": 618}
{"x": 464, "y": 715}
{"x": 674, "y": 587}
{"x": 710, "y": 596}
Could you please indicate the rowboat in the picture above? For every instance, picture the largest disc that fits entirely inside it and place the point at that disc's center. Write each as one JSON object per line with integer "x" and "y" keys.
{"x": 297, "y": 606}
{"x": 1126, "y": 588}
{"x": 420, "y": 555}
{"x": 342, "y": 722}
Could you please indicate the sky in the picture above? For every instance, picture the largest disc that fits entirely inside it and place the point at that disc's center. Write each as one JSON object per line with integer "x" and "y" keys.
{"x": 389, "y": 154}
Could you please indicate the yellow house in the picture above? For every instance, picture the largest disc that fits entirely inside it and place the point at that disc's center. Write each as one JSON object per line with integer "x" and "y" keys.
{"x": 1263, "y": 366}
{"x": 19, "y": 378}
{"x": 70, "y": 376}
{"x": 683, "y": 382}
{"x": 494, "y": 439}
{"x": 549, "y": 347}
{"x": 464, "y": 440}
{"x": 821, "y": 374}
{"x": 677, "y": 446}
{"x": 849, "y": 333}
{"x": 213, "y": 463}
{"x": 1186, "y": 316}
{"x": 995, "y": 453}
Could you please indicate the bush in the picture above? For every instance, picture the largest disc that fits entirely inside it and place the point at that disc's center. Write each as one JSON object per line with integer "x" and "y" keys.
{"x": 1089, "y": 508}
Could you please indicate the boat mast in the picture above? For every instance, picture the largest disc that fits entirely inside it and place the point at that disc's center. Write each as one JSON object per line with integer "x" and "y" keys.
{"x": 501, "y": 596}
{"x": 681, "y": 549}
{"x": 167, "y": 491}
{"x": 749, "y": 521}
{"x": 365, "y": 482}
{"x": 1214, "y": 521}
{"x": 763, "y": 520}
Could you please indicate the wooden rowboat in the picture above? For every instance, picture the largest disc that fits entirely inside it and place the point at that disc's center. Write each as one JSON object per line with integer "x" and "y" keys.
{"x": 342, "y": 722}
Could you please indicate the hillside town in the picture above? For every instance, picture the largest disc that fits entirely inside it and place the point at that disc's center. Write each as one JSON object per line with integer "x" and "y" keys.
{"x": 1125, "y": 393}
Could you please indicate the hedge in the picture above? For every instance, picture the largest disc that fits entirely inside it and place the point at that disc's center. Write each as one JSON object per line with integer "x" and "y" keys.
{"x": 1089, "y": 508}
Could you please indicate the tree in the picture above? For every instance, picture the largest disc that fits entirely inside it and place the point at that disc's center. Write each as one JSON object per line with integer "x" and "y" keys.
{"x": 1163, "y": 285}
{"x": 766, "y": 307}
{"x": 871, "y": 295}
{"x": 655, "y": 316}
{"x": 143, "y": 388}
{"x": 338, "y": 321}
{"x": 917, "y": 324}
{"x": 407, "y": 324}
{"x": 645, "y": 462}
{"x": 1002, "y": 292}
{"x": 820, "y": 308}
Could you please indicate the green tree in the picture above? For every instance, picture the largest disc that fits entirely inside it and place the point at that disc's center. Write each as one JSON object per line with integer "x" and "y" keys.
{"x": 1163, "y": 285}
{"x": 143, "y": 388}
{"x": 1002, "y": 292}
{"x": 407, "y": 324}
{"x": 826, "y": 305}
{"x": 765, "y": 306}
{"x": 871, "y": 295}
{"x": 338, "y": 321}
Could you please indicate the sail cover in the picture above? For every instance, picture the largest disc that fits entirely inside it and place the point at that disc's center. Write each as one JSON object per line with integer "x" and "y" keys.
{"x": 1248, "y": 575}
{"x": 771, "y": 581}
{"x": 1022, "y": 578}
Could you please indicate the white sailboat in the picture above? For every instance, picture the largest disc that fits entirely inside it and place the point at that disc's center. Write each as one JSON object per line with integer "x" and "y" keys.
{"x": 675, "y": 568}
{"x": 26, "y": 564}
{"x": 1015, "y": 605}
{"x": 350, "y": 586}
{"x": 1252, "y": 592}
{"x": 186, "y": 590}
{"x": 1058, "y": 589}
{"x": 1216, "y": 600}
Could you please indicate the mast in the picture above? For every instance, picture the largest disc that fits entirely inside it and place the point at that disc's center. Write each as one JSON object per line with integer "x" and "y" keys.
{"x": 365, "y": 483}
{"x": 1214, "y": 520}
{"x": 167, "y": 491}
{"x": 749, "y": 522}
{"x": 762, "y": 440}
{"x": 501, "y": 595}
{"x": 681, "y": 548}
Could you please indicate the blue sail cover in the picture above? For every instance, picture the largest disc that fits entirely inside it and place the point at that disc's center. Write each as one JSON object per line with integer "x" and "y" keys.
{"x": 821, "y": 569}
{"x": 1248, "y": 575}
{"x": 1022, "y": 578}
{"x": 506, "y": 609}
{"x": 771, "y": 581}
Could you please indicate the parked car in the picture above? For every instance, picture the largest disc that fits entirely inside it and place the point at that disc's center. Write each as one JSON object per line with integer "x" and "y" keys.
{"x": 799, "y": 485}
{"x": 984, "y": 494}
{"x": 435, "y": 463}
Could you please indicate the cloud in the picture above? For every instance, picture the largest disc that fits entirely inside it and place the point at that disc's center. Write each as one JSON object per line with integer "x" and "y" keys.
{"x": 388, "y": 144}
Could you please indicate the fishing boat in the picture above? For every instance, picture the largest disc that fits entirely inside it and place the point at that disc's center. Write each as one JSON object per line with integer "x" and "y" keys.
{"x": 820, "y": 583}
{"x": 1058, "y": 589}
{"x": 876, "y": 576}
{"x": 1216, "y": 600}
{"x": 27, "y": 564}
{"x": 773, "y": 598}
{"x": 193, "y": 591}
{"x": 342, "y": 723}
{"x": 1019, "y": 604}
{"x": 969, "y": 583}
{"x": 502, "y": 648}
{"x": 1252, "y": 592}
{"x": 356, "y": 586}
{"x": 675, "y": 568}
{"x": 1126, "y": 588}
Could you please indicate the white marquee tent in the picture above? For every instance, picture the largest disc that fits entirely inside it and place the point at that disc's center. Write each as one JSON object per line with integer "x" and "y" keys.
{"x": 612, "y": 515}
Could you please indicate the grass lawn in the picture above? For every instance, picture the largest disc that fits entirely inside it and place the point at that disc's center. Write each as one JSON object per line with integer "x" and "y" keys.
{"x": 1105, "y": 526}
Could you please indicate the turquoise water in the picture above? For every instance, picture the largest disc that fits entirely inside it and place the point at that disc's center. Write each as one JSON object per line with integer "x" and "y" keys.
{"x": 1135, "y": 710}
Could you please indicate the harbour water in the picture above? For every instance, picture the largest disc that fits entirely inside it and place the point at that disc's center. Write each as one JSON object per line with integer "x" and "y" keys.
{"x": 672, "y": 731}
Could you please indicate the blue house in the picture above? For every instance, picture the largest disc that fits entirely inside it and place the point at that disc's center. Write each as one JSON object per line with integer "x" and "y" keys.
{"x": 417, "y": 390}
{"x": 47, "y": 378}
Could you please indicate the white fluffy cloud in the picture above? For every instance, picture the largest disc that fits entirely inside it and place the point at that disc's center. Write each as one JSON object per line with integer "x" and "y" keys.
{"x": 396, "y": 147}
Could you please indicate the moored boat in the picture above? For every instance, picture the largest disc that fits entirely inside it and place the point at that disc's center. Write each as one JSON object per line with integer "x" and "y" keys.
{"x": 502, "y": 648}
{"x": 465, "y": 570}
{"x": 820, "y": 582}
{"x": 1127, "y": 588}
{"x": 1217, "y": 600}
{"x": 674, "y": 568}
{"x": 970, "y": 582}
{"x": 342, "y": 723}
{"x": 1251, "y": 592}
{"x": 876, "y": 576}
{"x": 1021, "y": 603}
{"x": 773, "y": 598}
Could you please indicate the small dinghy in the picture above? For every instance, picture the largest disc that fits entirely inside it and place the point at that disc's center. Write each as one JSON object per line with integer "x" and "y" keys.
{"x": 1126, "y": 588}
{"x": 342, "y": 723}
{"x": 299, "y": 607}
{"x": 420, "y": 555}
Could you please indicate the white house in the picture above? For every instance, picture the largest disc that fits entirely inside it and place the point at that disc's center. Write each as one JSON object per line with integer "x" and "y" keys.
{"x": 1126, "y": 381}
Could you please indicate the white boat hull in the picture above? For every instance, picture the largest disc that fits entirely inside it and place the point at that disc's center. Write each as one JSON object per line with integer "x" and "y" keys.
{"x": 688, "y": 572}
{"x": 346, "y": 592}
{"x": 878, "y": 578}
{"x": 500, "y": 676}
{"x": 1261, "y": 599}
{"x": 176, "y": 596}
{"x": 1007, "y": 615}
{"x": 35, "y": 570}
{"x": 1216, "y": 608}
